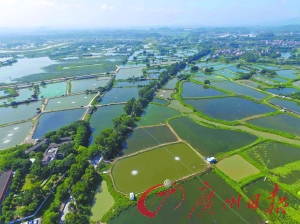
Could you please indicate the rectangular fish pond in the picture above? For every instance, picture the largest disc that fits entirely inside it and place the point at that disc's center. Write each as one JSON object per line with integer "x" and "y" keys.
{"x": 153, "y": 167}
{"x": 210, "y": 141}
{"x": 219, "y": 108}
{"x": 167, "y": 214}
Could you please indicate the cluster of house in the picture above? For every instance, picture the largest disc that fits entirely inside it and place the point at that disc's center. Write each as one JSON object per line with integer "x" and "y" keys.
{"x": 52, "y": 151}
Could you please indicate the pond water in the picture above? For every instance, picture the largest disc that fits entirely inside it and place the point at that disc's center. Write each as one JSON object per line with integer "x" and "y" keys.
{"x": 84, "y": 84}
{"x": 287, "y": 74}
{"x": 136, "y": 83}
{"x": 210, "y": 141}
{"x": 153, "y": 167}
{"x": 24, "y": 66}
{"x": 164, "y": 93}
{"x": 236, "y": 69}
{"x": 275, "y": 67}
{"x": 2, "y": 93}
{"x": 227, "y": 74}
{"x": 291, "y": 105}
{"x": 53, "y": 90}
{"x": 229, "y": 108}
{"x": 153, "y": 75}
{"x": 249, "y": 83}
{"x": 14, "y": 134}
{"x": 280, "y": 122}
{"x": 266, "y": 81}
{"x": 117, "y": 95}
{"x": 55, "y": 120}
{"x": 285, "y": 54}
{"x": 171, "y": 84}
{"x": 155, "y": 114}
{"x": 103, "y": 118}
{"x": 282, "y": 91}
{"x": 239, "y": 89}
{"x": 24, "y": 94}
{"x": 212, "y": 77}
{"x": 191, "y": 187}
{"x": 69, "y": 102}
{"x": 161, "y": 101}
{"x": 191, "y": 89}
{"x": 125, "y": 73}
{"x": 19, "y": 113}
{"x": 142, "y": 138}
{"x": 102, "y": 202}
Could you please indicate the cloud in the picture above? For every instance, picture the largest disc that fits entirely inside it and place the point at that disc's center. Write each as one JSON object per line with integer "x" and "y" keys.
{"x": 44, "y": 2}
{"x": 105, "y": 7}
{"x": 136, "y": 8}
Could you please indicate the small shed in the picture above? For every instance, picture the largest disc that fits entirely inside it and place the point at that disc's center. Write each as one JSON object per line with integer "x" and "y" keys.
{"x": 211, "y": 159}
{"x": 131, "y": 196}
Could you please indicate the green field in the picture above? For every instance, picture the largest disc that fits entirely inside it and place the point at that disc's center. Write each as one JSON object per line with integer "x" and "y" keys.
{"x": 192, "y": 190}
{"x": 210, "y": 141}
{"x": 139, "y": 172}
{"x": 143, "y": 138}
{"x": 102, "y": 202}
{"x": 154, "y": 115}
{"x": 264, "y": 188}
{"x": 273, "y": 154}
{"x": 236, "y": 167}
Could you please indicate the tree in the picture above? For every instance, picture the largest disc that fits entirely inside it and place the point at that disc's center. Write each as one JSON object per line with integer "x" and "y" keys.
{"x": 129, "y": 105}
{"x": 206, "y": 82}
{"x": 55, "y": 138}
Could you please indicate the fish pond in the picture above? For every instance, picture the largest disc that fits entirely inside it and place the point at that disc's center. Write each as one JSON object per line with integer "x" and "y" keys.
{"x": 133, "y": 83}
{"x": 153, "y": 167}
{"x": 102, "y": 202}
{"x": 125, "y": 73}
{"x": 236, "y": 69}
{"x": 18, "y": 113}
{"x": 164, "y": 93}
{"x": 191, "y": 89}
{"x": 69, "y": 102}
{"x": 236, "y": 167}
{"x": 282, "y": 91}
{"x": 53, "y": 90}
{"x": 289, "y": 74}
{"x": 118, "y": 95}
{"x": 279, "y": 122}
{"x": 210, "y": 141}
{"x": 171, "y": 84}
{"x": 55, "y": 120}
{"x": 13, "y": 135}
{"x": 273, "y": 154}
{"x": 103, "y": 119}
{"x": 239, "y": 89}
{"x": 84, "y": 84}
{"x": 229, "y": 108}
{"x": 147, "y": 137}
{"x": 291, "y": 105}
{"x": 227, "y": 74}
{"x": 264, "y": 188}
{"x": 191, "y": 188}
{"x": 155, "y": 115}
{"x": 160, "y": 101}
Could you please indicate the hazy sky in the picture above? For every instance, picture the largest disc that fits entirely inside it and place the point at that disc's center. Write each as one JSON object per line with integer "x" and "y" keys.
{"x": 120, "y": 13}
